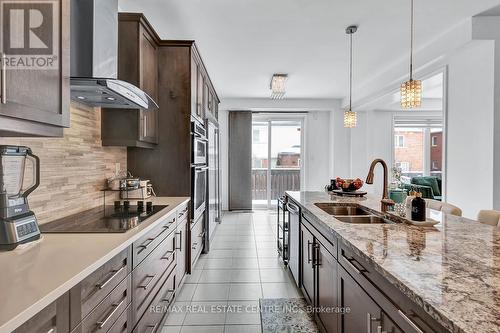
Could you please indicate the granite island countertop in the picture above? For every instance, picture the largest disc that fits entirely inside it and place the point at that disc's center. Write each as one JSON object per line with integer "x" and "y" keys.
{"x": 36, "y": 274}
{"x": 452, "y": 270}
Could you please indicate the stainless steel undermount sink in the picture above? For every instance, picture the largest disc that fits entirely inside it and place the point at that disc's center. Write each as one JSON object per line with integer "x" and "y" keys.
{"x": 370, "y": 219}
{"x": 335, "y": 209}
{"x": 351, "y": 214}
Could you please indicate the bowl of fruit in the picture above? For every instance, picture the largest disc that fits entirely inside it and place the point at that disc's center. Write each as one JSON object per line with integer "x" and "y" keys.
{"x": 349, "y": 185}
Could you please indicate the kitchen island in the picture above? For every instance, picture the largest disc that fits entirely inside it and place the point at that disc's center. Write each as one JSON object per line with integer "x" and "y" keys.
{"x": 37, "y": 274}
{"x": 450, "y": 271}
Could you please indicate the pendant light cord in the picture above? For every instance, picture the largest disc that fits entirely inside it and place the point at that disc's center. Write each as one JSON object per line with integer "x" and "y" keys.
{"x": 350, "y": 73}
{"x": 411, "y": 39}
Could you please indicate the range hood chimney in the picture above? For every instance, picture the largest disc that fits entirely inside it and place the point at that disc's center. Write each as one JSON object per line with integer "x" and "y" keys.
{"x": 94, "y": 58}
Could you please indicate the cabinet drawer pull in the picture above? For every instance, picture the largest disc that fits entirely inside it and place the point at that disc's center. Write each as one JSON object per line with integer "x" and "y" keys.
{"x": 52, "y": 330}
{"x": 349, "y": 261}
{"x": 146, "y": 286}
{"x": 181, "y": 214}
{"x": 116, "y": 306}
{"x": 409, "y": 321}
{"x": 195, "y": 245}
{"x": 201, "y": 235}
{"x": 111, "y": 278}
{"x": 180, "y": 241}
{"x": 167, "y": 255}
{"x": 166, "y": 226}
{"x": 152, "y": 327}
{"x": 168, "y": 296}
{"x": 145, "y": 245}
{"x": 3, "y": 78}
{"x": 379, "y": 329}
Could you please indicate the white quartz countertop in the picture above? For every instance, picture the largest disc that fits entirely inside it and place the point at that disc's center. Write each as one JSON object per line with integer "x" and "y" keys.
{"x": 36, "y": 274}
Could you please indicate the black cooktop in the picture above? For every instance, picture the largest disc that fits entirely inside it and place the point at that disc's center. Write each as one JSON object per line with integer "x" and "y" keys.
{"x": 101, "y": 220}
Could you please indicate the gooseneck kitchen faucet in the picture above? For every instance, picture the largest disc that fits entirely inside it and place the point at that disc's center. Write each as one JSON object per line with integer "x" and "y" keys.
{"x": 385, "y": 202}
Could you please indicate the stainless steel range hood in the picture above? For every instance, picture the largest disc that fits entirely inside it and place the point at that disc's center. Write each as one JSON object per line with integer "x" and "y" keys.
{"x": 94, "y": 58}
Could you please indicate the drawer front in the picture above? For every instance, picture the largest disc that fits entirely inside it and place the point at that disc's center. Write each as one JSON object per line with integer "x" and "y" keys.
{"x": 90, "y": 292}
{"x": 102, "y": 318}
{"x": 146, "y": 276}
{"x": 146, "y": 244}
{"x": 152, "y": 320}
{"x": 124, "y": 323}
{"x": 330, "y": 245}
{"x": 54, "y": 318}
{"x": 197, "y": 237}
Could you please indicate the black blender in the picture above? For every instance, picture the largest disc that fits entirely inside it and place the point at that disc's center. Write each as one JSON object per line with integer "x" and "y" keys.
{"x": 18, "y": 223}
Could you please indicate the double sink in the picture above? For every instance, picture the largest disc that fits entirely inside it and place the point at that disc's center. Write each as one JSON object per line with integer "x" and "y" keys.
{"x": 351, "y": 214}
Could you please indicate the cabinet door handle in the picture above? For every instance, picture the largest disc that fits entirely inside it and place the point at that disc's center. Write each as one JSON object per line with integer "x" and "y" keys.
{"x": 194, "y": 246}
{"x": 52, "y": 330}
{"x": 180, "y": 240}
{"x": 316, "y": 261}
{"x": 101, "y": 324}
{"x": 111, "y": 278}
{"x": 309, "y": 251}
{"x": 146, "y": 286}
{"x": 3, "y": 78}
{"x": 369, "y": 320}
{"x": 379, "y": 329}
{"x": 409, "y": 321}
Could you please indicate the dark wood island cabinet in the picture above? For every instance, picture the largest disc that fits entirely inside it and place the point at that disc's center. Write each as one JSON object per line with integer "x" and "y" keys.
{"x": 346, "y": 291}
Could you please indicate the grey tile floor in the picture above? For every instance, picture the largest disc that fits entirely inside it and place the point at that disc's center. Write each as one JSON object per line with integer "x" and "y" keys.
{"x": 223, "y": 292}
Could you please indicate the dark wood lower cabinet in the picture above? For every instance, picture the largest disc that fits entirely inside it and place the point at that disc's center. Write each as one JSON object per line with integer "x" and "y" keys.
{"x": 308, "y": 275}
{"x": 327, "y": 291}
{"x": 54, "y": 318}
{"x": 362, "y": 313}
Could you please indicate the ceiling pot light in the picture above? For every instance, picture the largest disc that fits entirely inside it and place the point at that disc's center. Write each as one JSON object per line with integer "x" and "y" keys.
{"x": 350, "y": 117}
{"x": 277, "y": 86}
{"x": 411, "y": 90}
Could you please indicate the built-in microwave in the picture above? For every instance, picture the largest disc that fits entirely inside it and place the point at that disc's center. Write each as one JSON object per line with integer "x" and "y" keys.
{"x": 200, "y": 143}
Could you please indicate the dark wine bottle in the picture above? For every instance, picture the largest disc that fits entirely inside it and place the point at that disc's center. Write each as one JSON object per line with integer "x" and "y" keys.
{"x": 418, "y": 208}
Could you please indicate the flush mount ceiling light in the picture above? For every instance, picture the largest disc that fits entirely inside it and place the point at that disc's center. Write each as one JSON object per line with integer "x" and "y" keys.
{"x": 277, "y": 86}
{"x": 411, "y": 90}
{"x": 350, "y": 117}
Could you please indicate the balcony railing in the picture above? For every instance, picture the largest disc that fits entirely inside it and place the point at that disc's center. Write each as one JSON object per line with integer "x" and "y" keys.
{"x": 282, "y": 179}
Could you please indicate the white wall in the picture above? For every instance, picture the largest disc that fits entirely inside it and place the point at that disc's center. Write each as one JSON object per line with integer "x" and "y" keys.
{"x": 488, "y": 28}
{"x": 470, "y": 127}
{"x": 317, "y": 150}
{"x": 318, "y": 136}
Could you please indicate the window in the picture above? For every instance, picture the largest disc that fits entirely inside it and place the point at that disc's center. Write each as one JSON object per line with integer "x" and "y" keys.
{"x": 399, "y": 141}
{"x": 434, "y": 141}
{"x": 403, "y": 166}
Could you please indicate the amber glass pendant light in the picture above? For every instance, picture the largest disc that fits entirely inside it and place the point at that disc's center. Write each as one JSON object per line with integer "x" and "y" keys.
{"x": 411, "y": 90}
{"x": 350, "y": 117}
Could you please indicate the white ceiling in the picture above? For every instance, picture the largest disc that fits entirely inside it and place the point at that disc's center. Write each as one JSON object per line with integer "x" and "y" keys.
{"x": 244, "y": 42}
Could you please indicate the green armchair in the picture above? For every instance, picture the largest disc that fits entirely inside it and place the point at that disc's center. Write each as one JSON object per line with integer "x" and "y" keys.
{"x": 430, "y": 187}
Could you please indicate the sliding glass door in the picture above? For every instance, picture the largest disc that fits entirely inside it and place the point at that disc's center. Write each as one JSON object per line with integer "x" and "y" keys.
{"x": 276, "y": 158}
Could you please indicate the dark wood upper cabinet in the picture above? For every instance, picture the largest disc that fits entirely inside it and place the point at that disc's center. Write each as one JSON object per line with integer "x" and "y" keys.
{"x": 137, "y": 64}
{"x": 36, "y": 99}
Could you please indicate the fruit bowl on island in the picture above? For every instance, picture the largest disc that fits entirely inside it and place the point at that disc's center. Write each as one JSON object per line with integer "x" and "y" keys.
{"x": 349, "y": 185}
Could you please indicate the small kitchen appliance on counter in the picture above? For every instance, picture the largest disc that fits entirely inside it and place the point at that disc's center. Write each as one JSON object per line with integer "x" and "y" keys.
{"x": 18, "y": 223}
